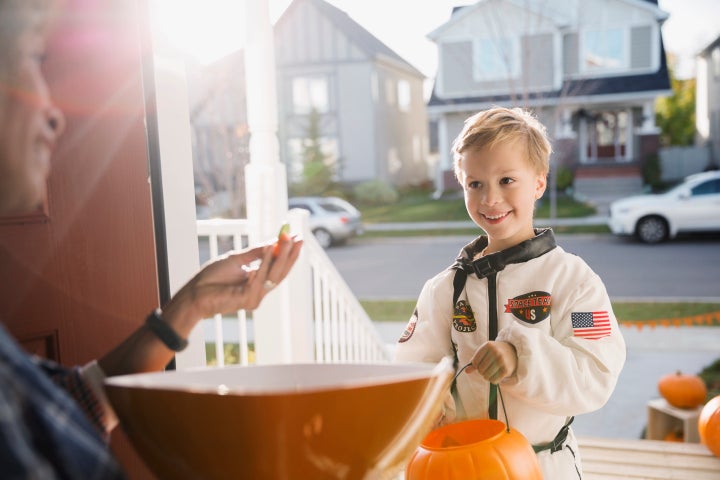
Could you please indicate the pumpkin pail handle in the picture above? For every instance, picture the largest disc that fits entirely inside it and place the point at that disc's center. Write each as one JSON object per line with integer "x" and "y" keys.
{"x": 502, "y": 402}
{"x": 460, "y": 371}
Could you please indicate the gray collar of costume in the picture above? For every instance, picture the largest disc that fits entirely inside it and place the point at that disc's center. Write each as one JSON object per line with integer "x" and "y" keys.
{"x": 540, "y": 244}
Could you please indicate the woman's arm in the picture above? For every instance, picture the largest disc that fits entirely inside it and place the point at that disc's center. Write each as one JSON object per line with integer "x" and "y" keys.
{"x": 228, "y": 284}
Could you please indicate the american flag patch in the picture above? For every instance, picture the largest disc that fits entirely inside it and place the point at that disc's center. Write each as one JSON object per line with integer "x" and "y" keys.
{"x": 591, "y": 325}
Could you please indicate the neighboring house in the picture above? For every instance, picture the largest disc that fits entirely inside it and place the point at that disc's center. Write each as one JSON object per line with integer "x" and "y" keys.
{"x": 707, "y": 95}
{"x": 372, "y": 114}
{"x": 590, "y": 69}
{"x": 218, "y": 120}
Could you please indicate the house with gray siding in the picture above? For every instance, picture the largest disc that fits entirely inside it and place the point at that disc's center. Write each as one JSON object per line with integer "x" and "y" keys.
{"x": 707, "y": 100}
{"x": 591, "y": 71}
{"x": 368, "y": 101}
{"x": 220, "y": 137}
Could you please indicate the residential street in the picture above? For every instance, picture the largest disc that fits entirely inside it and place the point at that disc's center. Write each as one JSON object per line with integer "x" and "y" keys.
{"x": 398, "y": 267}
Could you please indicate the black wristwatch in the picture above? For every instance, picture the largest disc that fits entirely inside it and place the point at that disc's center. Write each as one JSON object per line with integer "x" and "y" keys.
{"x": 165, "y": 332}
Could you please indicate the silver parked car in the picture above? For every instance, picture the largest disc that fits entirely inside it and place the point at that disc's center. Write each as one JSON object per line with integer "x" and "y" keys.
{"x": 332, "y": 219}
{"x": 692, "y": 206}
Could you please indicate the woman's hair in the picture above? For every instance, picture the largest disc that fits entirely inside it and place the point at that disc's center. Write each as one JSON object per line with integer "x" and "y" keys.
{"x": 17, "y": 17}
{"x": 499, "y": 126}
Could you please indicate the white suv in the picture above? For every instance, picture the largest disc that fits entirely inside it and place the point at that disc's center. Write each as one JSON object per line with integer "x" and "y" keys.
{"x": 692, "y": 206}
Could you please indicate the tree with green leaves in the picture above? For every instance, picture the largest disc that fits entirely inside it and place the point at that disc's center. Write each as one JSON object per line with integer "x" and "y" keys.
{"x": 675, "y": 115}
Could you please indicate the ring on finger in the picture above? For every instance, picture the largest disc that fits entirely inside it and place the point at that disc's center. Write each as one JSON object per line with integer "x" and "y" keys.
{"x": 269, "y": 284}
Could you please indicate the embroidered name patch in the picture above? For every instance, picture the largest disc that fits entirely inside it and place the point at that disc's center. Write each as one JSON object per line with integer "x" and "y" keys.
{"x": 463, "y": 317}
{"x": 530, "y": 307}
{"x": 410, "y": 328}
{"x": 591, "y": 325}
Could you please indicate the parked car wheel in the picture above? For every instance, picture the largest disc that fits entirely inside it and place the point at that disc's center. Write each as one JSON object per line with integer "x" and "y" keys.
{"x": 652, "y": 229}
{"x": 323, "y": 237}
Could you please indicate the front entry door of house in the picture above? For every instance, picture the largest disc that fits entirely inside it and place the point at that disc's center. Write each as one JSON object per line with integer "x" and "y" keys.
{"x": 607, "y": 137}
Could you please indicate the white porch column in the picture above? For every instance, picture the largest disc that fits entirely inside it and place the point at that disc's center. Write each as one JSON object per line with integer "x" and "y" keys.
{"x": 648, "y": 125}
{"x": 563, "y": 123}
{"x": 583, "y": 140}
{"x": 266, "y": 185}
{"x": 629, "y": 137}
{"x": 265, "y": 176}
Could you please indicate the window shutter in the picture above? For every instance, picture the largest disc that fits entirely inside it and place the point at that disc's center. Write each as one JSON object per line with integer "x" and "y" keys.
{"x": 570, "y": 54}
{"x": 640, "y": 47}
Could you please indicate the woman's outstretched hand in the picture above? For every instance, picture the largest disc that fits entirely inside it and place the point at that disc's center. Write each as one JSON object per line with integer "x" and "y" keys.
{"x": 235, "y": 281}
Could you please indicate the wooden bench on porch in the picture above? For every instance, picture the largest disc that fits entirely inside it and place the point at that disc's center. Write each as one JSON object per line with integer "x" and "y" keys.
{"x": 608, "y": 459}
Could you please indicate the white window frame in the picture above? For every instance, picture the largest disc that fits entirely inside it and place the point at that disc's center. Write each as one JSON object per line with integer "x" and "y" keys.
{"x": 404, "y": 95}
{"x": 317, "y": 94}
{"x": 600, "y": 70}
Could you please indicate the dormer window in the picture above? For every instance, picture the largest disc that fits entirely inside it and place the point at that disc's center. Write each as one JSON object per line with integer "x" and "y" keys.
{"x": 603, "y": 50}
{"x": 496, "y": 59}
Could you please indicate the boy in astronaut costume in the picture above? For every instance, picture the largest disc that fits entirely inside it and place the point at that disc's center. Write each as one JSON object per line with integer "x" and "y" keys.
{"x": 516, "y": 309}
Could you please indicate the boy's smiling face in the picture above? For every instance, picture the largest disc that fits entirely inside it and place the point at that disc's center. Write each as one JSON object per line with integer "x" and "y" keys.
{"x": 501, "y": 187}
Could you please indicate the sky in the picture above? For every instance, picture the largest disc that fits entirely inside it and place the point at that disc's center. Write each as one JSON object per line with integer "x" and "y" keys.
{"x": 403, "y": 26}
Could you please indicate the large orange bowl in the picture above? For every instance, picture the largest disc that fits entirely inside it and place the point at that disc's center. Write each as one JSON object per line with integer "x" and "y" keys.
{"x": 311, "y": 421}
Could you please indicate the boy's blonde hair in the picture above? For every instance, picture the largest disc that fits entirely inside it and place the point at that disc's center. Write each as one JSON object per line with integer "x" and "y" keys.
{"x": 498, "y": 126}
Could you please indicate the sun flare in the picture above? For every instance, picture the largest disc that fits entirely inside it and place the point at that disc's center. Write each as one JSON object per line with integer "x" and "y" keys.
{"x": 204, "y": 29}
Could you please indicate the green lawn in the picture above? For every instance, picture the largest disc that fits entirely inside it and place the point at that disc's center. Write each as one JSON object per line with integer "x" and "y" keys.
{"x": 418, "y": 206}
{"x": 686, "y": 313}
{"x": 473, "y": 232}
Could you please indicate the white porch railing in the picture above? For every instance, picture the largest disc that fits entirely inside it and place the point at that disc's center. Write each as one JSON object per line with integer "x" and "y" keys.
{"x": 341, "y": 330}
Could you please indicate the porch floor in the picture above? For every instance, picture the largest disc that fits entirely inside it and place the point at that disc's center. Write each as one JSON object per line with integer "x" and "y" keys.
{"x": 609, "y": 459}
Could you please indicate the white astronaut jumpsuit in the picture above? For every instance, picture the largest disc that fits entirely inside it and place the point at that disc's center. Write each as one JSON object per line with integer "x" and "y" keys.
{"x": 554, "y": 310}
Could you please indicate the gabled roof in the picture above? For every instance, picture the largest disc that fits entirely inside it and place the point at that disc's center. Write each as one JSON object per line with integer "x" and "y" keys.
{"x": 708, "y": 49}
{"x": 460, "y": 12}
{"x": 361, "y": 38}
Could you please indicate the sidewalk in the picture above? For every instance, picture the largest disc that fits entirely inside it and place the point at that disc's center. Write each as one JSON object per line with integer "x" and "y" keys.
{"x": 538, "y": 222}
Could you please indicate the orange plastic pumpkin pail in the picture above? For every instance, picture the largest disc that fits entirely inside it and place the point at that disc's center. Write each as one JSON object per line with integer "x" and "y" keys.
{"x": 474, "y": 449}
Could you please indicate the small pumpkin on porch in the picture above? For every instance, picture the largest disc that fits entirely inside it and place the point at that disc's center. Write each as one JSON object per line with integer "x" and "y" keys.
{"x": 474, "y": 449}
{"x": 709, "y": 425}
{"x": 682, "y": 390}
{"x": 674, "y": 436}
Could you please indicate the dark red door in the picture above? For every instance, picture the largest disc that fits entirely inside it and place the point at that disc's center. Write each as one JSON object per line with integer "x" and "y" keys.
{"x": 81, "y": 275}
